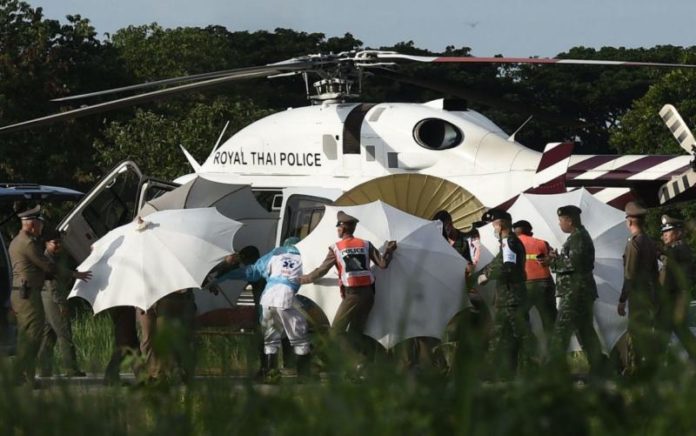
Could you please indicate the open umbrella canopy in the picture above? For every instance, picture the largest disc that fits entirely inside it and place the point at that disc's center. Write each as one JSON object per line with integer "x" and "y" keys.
{"x": 605, "y": 224}
{"x": 416, "y": 295}
{"x": 139, "y": 263}
{"x": 237, "y": 202}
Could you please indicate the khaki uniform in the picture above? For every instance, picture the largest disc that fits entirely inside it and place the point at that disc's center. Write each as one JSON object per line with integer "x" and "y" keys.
{"x": 29, "y": 269}
{"x": 675, "y": 278}
{"x": 174, "y": 349}
{"x": 351, "y": 316}
{"x": 576, "y": 287}
{"x": 57, "y": 328}
{"x": 640, "y": 291}
{"x": 125, "y": 341}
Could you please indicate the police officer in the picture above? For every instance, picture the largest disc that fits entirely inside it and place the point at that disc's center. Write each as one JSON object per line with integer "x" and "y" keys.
{"x": 541, "y": 290}
{"x": 676, "y": 277}
{"x": 54, "y": 298}
{"x": 639, "y": 289}
{"x": 511, "y": 334}
{"x": 576, "y": 287}
{"x": 29, "y": 268}
{"x": 352, "y": 257}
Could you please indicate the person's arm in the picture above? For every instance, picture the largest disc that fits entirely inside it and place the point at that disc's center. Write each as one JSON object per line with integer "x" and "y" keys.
{"x": 630, "y": 269}
{"x": 382, "y": 260}
{"x": 321, "y": 270}
{"x": 41, "y": 261}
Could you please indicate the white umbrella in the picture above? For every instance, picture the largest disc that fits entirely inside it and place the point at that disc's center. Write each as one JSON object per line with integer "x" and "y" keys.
{"x": 137, "y": 264}
{"x": 605, "y": 224}
{"x": 237, "y": 202}
{"x": 416, "y": 295}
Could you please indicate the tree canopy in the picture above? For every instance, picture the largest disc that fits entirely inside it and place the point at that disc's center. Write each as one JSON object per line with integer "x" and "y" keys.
{"x": 42, "y": 59}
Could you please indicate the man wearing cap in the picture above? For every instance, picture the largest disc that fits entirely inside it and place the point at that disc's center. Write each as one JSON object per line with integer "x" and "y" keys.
{"x": 29, "y": 269}
{"x": 576, "y": 287}
{"x": 640, "y": 288}
{"x": 57, "y": 312}
{"x": 352, "y": 257}
{"x": 511, "y": 333}
{"x": 541, "y": 290}
{"x": 676, "y": 276}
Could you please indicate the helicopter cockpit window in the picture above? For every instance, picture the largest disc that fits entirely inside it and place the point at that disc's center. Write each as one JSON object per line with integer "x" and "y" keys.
{"x": 302, "y": 214}
{"x": 436, "y": 134}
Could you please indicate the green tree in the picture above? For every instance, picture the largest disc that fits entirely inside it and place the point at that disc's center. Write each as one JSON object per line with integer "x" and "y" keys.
{"x": 40, "y": 60}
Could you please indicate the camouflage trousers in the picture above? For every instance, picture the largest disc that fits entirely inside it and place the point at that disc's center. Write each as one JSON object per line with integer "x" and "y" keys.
{"x": 509, "y": 347}
{"x": 575, "y": 315}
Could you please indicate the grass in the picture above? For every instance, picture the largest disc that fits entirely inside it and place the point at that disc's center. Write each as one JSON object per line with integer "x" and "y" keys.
{"x": 389, "y": 401}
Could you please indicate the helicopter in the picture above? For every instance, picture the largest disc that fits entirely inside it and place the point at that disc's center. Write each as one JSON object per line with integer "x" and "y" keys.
{"x": 298, "y": 160}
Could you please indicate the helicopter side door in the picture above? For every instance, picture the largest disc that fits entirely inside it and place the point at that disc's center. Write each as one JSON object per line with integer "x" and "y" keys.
{"x": 111, "y": 203}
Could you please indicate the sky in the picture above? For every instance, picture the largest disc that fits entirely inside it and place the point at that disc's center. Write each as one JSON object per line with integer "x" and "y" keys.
{"x": 508, "y": 27}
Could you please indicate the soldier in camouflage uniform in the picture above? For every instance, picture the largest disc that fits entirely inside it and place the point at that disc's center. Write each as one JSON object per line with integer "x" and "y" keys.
{"x": 511, "y": 334}
{"x": 640, "y": 290}
{"x": 675, "y": 277}
{"x": 576, "y": 287}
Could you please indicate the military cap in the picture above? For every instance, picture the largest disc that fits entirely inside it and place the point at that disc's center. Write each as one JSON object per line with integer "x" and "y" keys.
{"x": 522, "y": 223}
{"x": 344, "y": 218}
{"x": 31, "y": 214}
{"x": 670, "y": 223}
{"x": 495, "y": 214}
{"x": 634, "y": 209}
{"x": 569, "y": 210}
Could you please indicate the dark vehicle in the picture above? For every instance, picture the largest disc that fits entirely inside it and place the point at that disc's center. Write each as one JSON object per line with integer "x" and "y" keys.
{"x": 10, "y": 193}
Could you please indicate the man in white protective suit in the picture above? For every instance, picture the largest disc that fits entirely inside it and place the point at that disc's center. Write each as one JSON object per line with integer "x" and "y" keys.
{"x": 281, "y": 268}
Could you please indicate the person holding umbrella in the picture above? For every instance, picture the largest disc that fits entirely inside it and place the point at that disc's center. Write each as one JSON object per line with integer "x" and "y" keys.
{"x": 541, "y": 290}
{"x": 352, "y": 257}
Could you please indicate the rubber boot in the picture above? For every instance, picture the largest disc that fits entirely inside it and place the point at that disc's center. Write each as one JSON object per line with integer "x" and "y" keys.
{"x": 269, "y": 370}
{"x": 304, "y": 364}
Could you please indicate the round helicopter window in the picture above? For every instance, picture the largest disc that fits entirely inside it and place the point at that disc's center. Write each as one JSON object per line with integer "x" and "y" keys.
{"x": 437, "y": 134}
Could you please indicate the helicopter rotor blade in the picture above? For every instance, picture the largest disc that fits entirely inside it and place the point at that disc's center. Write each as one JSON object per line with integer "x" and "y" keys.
{"x": 378, "y": 56}
{"x": 163, "y": 82}
{"x": 241, "y": 74}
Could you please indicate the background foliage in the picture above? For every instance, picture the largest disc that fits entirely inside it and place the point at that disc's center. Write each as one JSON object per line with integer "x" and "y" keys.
{"x": 42, "y": 59}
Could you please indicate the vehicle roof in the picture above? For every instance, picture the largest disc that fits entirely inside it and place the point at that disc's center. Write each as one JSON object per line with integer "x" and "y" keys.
{"x": 32, "y": 191}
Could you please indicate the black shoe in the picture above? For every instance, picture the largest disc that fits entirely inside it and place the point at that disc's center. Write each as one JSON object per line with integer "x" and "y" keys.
{"x": 76, "y": 373}
{"x": 304, "y": 366}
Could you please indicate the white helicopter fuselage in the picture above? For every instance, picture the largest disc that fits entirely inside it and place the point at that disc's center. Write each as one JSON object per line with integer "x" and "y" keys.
{"x": 340, "y": 145}
{"x": 308, "y": 147}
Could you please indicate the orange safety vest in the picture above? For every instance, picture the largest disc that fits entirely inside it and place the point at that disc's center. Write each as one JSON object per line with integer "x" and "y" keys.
{"x": 353, "y": 262}
{"x": 532, "y": 267}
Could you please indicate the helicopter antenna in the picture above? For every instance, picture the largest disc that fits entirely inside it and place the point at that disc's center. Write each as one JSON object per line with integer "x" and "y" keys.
{"x": 217, "y": 144}
{"x": 512, "y": 137}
